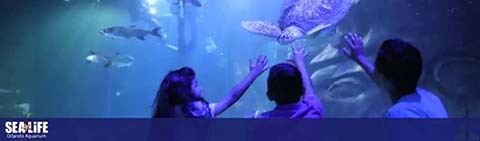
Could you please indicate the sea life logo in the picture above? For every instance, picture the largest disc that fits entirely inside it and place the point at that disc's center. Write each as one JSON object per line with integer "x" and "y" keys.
{"x": 26, "y": 129}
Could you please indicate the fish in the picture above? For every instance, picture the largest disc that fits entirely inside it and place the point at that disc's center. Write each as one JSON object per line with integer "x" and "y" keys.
{"x": 327, "y": 53}
{"x": 117, "y": 61}
{"x": 170, "y": 46}
{"x": 7, "y": 91}
{"x": 211, "y": 47}
{"x": 118, "y": 32}
{"x": 25, "y": 107}
{"x": 181, "y": 8}
{"x": 194, "y": 3}
{"x": 368, "y": 37}
{"x": 94, "y": 58}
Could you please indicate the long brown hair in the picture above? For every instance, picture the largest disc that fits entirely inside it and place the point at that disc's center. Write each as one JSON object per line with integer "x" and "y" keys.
{"x": 175, "y": 90}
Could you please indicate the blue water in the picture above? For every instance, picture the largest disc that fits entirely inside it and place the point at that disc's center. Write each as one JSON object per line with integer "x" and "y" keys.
{"x": 43, "y": 45}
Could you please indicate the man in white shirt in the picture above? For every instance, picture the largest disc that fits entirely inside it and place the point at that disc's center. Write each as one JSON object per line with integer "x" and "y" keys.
{"x": 398, "y": 68}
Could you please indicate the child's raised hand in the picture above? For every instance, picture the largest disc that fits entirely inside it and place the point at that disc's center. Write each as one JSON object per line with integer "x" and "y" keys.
{"x": 299, "y": 53}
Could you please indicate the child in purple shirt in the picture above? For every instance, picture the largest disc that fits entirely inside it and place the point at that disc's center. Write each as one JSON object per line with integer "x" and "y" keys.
{"x": 290, "y": 87}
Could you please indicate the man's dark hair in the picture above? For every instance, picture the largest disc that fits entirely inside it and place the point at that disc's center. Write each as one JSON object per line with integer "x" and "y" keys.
{"x": 401, "y": 65}
{"x": 285, "y": 84}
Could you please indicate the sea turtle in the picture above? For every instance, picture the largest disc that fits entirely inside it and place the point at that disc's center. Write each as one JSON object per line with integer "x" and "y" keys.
{"x": 301, "y": 17}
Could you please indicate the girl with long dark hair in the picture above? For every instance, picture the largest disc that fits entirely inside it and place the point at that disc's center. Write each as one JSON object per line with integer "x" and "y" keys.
{"x": 179, "y": 95}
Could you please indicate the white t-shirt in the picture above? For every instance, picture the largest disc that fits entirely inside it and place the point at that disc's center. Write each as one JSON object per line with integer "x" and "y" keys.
{"x": 422, "y": 104}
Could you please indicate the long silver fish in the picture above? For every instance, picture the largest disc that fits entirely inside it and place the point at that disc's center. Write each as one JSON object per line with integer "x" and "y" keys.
{"x": 7, "y": 91}
{"x": 131, "y": 31}
{"x": 117, "y": 61}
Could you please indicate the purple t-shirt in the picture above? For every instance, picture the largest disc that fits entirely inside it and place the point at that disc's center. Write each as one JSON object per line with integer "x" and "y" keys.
{"x": 309, "y": 107}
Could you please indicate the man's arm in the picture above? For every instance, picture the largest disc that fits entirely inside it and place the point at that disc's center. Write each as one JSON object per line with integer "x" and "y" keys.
{"x": 355, "y": 52}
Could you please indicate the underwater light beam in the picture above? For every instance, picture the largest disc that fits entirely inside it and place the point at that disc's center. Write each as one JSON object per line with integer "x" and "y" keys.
{"x": 152, "y": 11}
{"x": 151, "y": 2}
